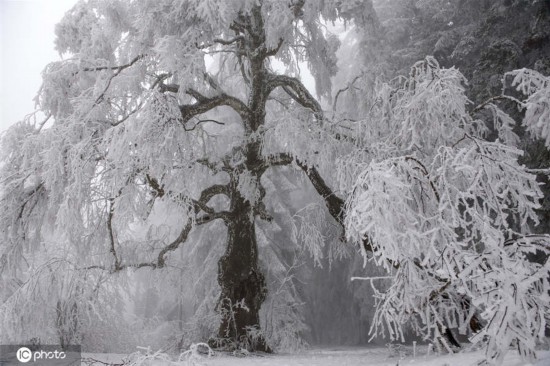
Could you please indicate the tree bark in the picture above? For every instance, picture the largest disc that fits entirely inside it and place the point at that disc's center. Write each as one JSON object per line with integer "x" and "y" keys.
{"x": 243, "y": 287}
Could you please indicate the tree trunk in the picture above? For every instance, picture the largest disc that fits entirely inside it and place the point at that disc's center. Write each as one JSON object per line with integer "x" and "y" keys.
{"x": 243, "y": 288}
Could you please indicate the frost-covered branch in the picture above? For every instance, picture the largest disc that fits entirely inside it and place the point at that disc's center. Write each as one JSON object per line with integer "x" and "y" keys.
{"x": 260, "y": 209}
{"x": 207, "y": 195}
{"x": 449, "y": 214}
{"x": 335, "y": 204}
{"x": 297, "y": 91}
{"x": 115, "y": 68}
{"x": 112, "y": 250}
{"x": 350, "y": 85}
{"x": 272, "y": 161}
{"x": 30, "y": 195}
{"x": 221, "y": 41}
{"x": 205, "y": 104}
{"x": 494, "y": 99}
{"x": 197, "y": 206}
{"x": 200, "y": 204}
{"x": 275, "y": 50}
{"x": 118, "y": 70}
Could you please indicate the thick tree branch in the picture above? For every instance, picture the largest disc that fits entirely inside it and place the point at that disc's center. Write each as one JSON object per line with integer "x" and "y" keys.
{"x": 207, "y": 195}
{"x": 229, "y": 41}
{"x": 154, "y": 184}
{"x": 205, "y": 104}
{"x": 274, "y": 51}
{"x": 274, "y": 160}
{"x": 198, "y": 205}
{"x": 335, "y": 204}
{"x": 182, "y": 237}
{"x": 278, "y": 160}
{"x": 297, "y": 91}
{"x": 260, "y": 209}
{"x": 172, "y": 88}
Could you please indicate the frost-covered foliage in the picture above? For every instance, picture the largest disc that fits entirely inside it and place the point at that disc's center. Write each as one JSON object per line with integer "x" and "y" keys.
{"x": 448, "y": 214}
{"x": 536, "y": 88}
{"x": 165, "y": 116}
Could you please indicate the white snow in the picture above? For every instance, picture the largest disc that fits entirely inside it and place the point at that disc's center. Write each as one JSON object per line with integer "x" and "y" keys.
{"x": 337, "y": 357}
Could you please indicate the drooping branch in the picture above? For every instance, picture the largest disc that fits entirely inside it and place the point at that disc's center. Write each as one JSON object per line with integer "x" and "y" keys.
{"x": 31, "y": 194}
{"x": 494, "y": 99}
{"x": 350, "y": 85}
{"x": 335, "y": 204}
{"x": 118, "y": 70}
{"x": 425, "y": 172}
{"x": 110, "y": 215}
{"x": 297, "y": 91}
{"x": 133, "y": 111}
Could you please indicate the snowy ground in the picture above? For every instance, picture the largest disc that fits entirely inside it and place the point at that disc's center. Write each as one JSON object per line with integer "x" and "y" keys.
{"x": 331, "y": 357}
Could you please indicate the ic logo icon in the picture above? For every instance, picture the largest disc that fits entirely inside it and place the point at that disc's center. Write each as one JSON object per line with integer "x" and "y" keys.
{"x": 24, "y": 354}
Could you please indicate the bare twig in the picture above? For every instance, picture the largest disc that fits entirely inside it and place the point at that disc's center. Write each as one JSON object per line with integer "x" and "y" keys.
{"x": 117, "y": 68}
{"x": 494, "y": 99}
{"x": 343, "y": 90}
{"x": 203, "y": 121}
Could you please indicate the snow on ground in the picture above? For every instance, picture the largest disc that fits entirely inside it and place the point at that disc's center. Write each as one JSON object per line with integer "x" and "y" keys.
{"x": 332, "y": 357}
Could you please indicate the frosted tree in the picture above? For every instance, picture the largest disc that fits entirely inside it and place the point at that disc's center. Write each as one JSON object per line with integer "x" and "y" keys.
{"x": 170, "y": 107}
{"x": 448, "y": 213}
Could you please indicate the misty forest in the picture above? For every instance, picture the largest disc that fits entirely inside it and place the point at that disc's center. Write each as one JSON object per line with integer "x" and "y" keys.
{"x": 222, "y": 178}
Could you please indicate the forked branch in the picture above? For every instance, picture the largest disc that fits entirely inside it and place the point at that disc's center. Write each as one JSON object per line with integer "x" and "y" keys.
{"x": 194, "y": 220}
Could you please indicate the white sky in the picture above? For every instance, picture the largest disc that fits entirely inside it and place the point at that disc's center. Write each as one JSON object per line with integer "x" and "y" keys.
{"x": 26, "y": 46}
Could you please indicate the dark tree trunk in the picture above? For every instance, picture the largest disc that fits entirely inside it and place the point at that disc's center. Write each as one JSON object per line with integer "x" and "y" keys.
{"x": 243, "y": 288}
